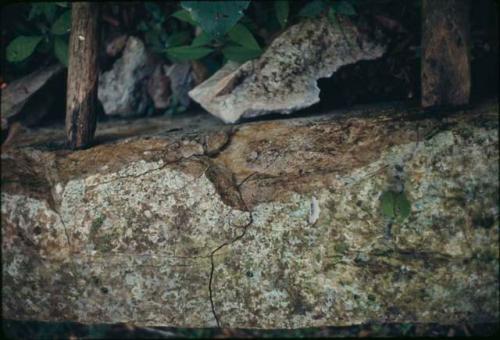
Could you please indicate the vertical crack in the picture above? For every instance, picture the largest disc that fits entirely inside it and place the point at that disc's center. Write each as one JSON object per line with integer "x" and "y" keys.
{"x": 210, "y": 283}
{"x": 212, "y": 264}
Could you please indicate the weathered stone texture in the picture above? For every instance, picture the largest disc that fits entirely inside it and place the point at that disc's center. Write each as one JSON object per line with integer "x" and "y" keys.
{"x": 272, "y": 224}
{"x": 284, "y": 78}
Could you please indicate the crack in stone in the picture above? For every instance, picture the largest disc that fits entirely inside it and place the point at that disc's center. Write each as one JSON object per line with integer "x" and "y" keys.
{"x": 161, "y": 167}
{"x": 212, "y": 264}
{"x": 212, "y": 267}
{"x": 64, "y": 226}
{"x": 214, "y": 153}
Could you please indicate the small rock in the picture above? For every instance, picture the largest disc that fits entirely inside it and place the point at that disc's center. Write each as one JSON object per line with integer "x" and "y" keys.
{"x": 284, "y": 78}
{"x": 159, "y": 88}
{"x": 116, "y": 45}
{"x": 200, "y": 72}
{"x": 253, "y": 156}
{"x": 181, "y": 80}
{"x": 213, "y": 143}
{"x": 122, "y": 90}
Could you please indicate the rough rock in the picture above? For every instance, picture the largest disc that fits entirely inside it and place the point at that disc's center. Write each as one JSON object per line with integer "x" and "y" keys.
{"x": 272, "y": 224}
{"x": 284, "y": 78}
{"x": 123, "y": 90}
{"x": 159, "y": 87}
{"x": 116, "y": 45}
{"x": 18, "y": 93}
{"x": 181, "y": 80}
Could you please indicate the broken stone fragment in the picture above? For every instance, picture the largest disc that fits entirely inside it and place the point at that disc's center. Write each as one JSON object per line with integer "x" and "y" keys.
{"x": 122, "y": 90}
{"x": 116, "y": 45}
{"x": 181, "y": 80}
{"x": 284, "y": 78}
{"x": 159, "y": 88}
{"x": 17, "y": 94}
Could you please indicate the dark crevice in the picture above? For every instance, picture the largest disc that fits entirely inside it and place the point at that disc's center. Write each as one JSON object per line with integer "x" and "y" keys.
{"x": 212, "y": 264}
{"x": 212, "y": 267}
{"x": 214, "y": 153}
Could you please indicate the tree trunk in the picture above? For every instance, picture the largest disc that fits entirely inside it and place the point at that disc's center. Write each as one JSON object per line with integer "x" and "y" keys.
{"x": 82, "y": 75}
{"x": 270, "y": 224}
{"x": 446, "y": 74}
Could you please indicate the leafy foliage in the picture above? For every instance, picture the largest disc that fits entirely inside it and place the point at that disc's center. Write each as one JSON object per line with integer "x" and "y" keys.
{"x": 313, "y": 8}
{"x": 188, "y": 52}
{"x": 62, "y": 24}
{"x": 242, "y": 36}
{"x": 61, "y": 50}
{"x": 240, "y": 53}
{"x": 22, "y": 47}
{"x": 42, "y": 16}
{"x": 184, "y": 15}
{"x": 219, "y": 31}
{"x": 215, "y": 17}
{"x": 344, "y": 8}
{"x": 332, "y": 7}
{"x": 395, "y": 205}
{"x": 195, "y": 30}
{"x": 282, "y": 8}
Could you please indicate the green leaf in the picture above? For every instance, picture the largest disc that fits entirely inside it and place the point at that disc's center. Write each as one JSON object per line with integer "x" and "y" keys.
{"x": 282, "y": 8}
{"x": 61, "y": 50}
{"x": 142, "y": 26}
{"x": 63, "y": 24}
{"x": 22, "y": 47}
{"x": 395, "y": 205}
{"x": 201, "y": 39}
{"x": 344, "y": 7}
{"x": 332, "y": 16}
{"x": 312, "y": 9}
{"x": 387, "y": 204}
{"x": 152, "y": 8}
{"x": 36, "y": 10}
{"x": 216, "y": 17}
{"x": 403, "y": 206}
{"x": 242, "y": 36}
{"x": 49, "y": 9}
{"x": 184, "y": 15}
{"x": 188, "y": 52}
{"x": 240, "y": 53}
{"x": 178, "y": 38}
{"x": 152, "y": 38}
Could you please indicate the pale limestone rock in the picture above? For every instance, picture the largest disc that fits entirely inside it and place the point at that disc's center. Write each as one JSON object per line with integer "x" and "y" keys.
{"x": 122, "y": 90}
{"x": 284, "y": 78}
{"x": 271, "y": 224}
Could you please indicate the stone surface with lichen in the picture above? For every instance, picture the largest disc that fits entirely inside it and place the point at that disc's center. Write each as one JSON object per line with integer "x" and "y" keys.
{"x": 272, "y": 224}
{"x": 284, "y": 79}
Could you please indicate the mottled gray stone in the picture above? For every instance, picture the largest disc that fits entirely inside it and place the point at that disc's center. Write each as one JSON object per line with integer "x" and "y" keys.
{"x": 284, "y": 78}
{"x": 122, "y": 90}
{"x": 273, "y": 224}
{"x": 181, "y": 79}
{"x": 159, "y": 87}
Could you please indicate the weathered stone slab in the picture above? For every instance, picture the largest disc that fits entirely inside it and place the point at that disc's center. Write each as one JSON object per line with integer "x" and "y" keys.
{"x": 284, "y": 78}
{"x": 273, "y": 224}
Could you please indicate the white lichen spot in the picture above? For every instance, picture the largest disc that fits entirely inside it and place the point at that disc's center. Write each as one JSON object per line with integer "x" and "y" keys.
{"x": 59, "y": 188}
{"x": 314, "y": 211}
{"x": 13, "y": 267}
